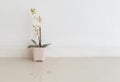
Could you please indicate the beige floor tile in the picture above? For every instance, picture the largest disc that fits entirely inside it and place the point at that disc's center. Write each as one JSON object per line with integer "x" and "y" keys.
{"x": 60, "y": 70}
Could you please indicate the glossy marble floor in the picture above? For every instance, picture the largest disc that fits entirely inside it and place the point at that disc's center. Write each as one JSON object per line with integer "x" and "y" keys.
{"x": 60, "y": 70}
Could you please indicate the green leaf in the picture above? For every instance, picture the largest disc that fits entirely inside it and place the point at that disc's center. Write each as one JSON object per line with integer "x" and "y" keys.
{"x": 45, "y": 45}
{"x": 32, "y": 46}
{"x": 34, "y": 42}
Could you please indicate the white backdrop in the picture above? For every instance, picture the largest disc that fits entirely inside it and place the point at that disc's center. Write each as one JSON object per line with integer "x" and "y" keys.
{"x": 74, "y": 27}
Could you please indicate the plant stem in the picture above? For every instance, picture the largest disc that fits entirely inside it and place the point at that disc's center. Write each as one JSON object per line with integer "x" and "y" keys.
{"x": 39, "y": 37}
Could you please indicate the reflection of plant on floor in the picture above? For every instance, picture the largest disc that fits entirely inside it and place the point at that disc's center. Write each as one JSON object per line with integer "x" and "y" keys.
{"x": 37, "y": 29}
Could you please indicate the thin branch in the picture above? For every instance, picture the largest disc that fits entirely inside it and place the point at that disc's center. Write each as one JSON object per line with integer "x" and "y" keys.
{"x": 39, "y": 37}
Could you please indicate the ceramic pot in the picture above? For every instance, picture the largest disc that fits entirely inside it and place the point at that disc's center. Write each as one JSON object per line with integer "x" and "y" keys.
{"x": 39, "y": 54}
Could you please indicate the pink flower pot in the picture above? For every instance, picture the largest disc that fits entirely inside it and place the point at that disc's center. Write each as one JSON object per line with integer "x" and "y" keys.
{"x": 39, "y": 54}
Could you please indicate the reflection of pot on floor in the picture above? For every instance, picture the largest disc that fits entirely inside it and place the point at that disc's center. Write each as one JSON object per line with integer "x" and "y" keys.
{"x": 39, "y": 54}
